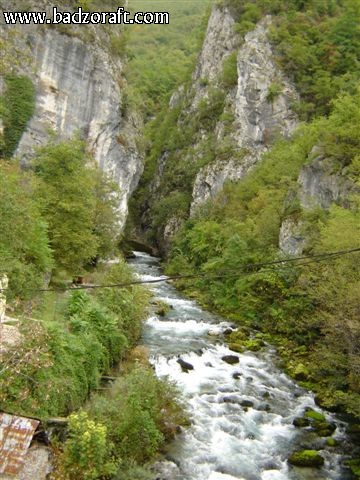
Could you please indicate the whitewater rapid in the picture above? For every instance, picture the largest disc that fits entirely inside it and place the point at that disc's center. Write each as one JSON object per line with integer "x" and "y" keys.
{"x": 241, "y": 414}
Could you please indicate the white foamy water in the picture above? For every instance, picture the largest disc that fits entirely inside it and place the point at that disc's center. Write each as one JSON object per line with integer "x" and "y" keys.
{"x": 241, "y": 414}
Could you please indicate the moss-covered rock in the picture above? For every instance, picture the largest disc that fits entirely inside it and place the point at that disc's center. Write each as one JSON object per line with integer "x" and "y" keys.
{"x": 354, "y": 466}
{"x": 239, "y": 341}
{"x": 236, "y": 347}
{"x": 301, "y": 373}
{"x": 239, "y": 335}
{"x": 254, "y": 344}
{"x": 329, "y": 400}
{"x": 306, "y": 458}
{"x": 324, "y": 429}
{"x": 316, "y": 416}
{"x": 331, "y": 442}
{"x": 162, "y": 308}
{"x": 317, "y": 421}
{"x": 301, "y": 422}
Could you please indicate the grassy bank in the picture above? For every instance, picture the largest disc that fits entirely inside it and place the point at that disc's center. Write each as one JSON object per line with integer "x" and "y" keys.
{"x": 77, "y": 338}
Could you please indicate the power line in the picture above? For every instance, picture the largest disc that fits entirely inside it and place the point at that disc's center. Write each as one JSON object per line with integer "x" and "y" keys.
{"x": 223, "y": 274}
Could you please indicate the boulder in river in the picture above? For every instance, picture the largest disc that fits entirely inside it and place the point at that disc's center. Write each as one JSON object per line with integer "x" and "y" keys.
{"x": 166, "y": 470}
{"x": 214, "y": 333}
{"x": 306, "y": 458}
{"x": 301, "y": 422}
{"x": 230, "y": 359}
{"x": 185, "y": 366}
{"x": 264, "y": 407}
{"x": 318, "y": 421}
{"x": 228, "y": 331}
{"x": 236, "y": 375}
{"x": 246, "y": 403}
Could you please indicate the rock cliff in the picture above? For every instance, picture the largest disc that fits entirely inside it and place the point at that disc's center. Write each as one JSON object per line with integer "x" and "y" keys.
{"x": 320, "y": 184}
{"x": 220, "y": 41}
{"x": 258, "y": 117}
{"x": 80, "y": 90}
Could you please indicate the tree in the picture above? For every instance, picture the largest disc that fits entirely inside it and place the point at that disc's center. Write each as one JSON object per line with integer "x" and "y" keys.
{"x": 25, "y": 254}
{"x": 66, "y": 192}
{"x": 106, "y": 221}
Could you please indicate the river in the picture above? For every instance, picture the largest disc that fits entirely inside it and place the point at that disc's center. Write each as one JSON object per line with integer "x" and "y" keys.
{"x": 241, "y": 414}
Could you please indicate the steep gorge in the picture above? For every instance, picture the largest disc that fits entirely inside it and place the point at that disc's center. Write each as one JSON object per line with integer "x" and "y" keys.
{"x": 256, "y": 160}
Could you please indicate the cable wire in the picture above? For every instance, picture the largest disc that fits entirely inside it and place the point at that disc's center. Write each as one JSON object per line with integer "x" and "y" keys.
{"x": 223, "y": 274}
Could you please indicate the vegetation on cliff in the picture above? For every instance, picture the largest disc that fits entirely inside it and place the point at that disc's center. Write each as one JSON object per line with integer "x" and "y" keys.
{"x": 161, "y": 57}
{"x": 315, "y": 44}
{"x": 310, "y": 312}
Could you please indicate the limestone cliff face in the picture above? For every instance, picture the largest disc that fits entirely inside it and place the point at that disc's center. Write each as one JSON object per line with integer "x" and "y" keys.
{"x": 256, "y": 110}
{"x": 259, "y": 118}
{"x": 320, "y": 184}
{"x": 220, "y": 41}
{"x": 79, "y": 90}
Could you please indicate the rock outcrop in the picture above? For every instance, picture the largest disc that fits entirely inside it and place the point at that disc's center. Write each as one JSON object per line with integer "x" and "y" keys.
{"x": 220, "y": 41}
{"x": 80, "y": 91}
{"x": 320, "y": 184}
{"x": 259, "y": 116}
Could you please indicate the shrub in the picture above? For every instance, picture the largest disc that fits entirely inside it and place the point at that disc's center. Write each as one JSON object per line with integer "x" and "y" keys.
{"x": 275, "y": 90}
{"x": 229, "y": 75}
{"x": 26, "y": 258}
{"x": 140, "y": 412}
{"x": 86, "y": 452}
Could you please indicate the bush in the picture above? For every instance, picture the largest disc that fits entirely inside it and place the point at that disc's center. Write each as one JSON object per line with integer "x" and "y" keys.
{"x": 86, "y": 451}
{"x": 140, "y": 412}
{"x": 79, "y": 204}
{"x": 62, "y": 358}
{"x": 275, "y": 90}
{"x": 229, "y": 75}
{"x": 25, "y": 258}
{"x": 129, "y": 305}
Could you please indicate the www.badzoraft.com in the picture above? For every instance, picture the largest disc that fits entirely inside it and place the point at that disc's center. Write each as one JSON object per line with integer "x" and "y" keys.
{"x": 81, "y": 17}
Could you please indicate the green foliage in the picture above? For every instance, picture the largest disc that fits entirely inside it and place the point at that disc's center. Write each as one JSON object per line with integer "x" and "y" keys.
{"x": 318, "y": 45}
{"x": 128, "y": 304}
{"x": 86, "y": 452}
{"x": 118, "y": 44}
{"x": 62, "y": 358}
{"x": 17, "y": 109}
{"x": 210, "y": 109}
{"x": 230, "y": 75}
{"x": 175, "y": 205}
{"x": 275, "y": 89}
{"x": 105, "y": 215}
{"x": 78, "y": 204}
{"x": 24, "y": 251}
{"x": 161, "y": 57}
{"x": 140, "y": 412}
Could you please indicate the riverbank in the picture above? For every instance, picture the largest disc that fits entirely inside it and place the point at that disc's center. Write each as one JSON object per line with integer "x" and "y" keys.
{"x": 57, "y": 366}
{"x": 242, "y": 413}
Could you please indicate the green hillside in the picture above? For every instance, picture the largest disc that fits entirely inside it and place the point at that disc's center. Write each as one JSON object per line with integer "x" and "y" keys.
{"x": 163, "y": 56}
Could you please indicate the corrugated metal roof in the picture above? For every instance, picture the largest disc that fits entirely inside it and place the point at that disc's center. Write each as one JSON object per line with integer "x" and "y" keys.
{"x": 16, "y": 434}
